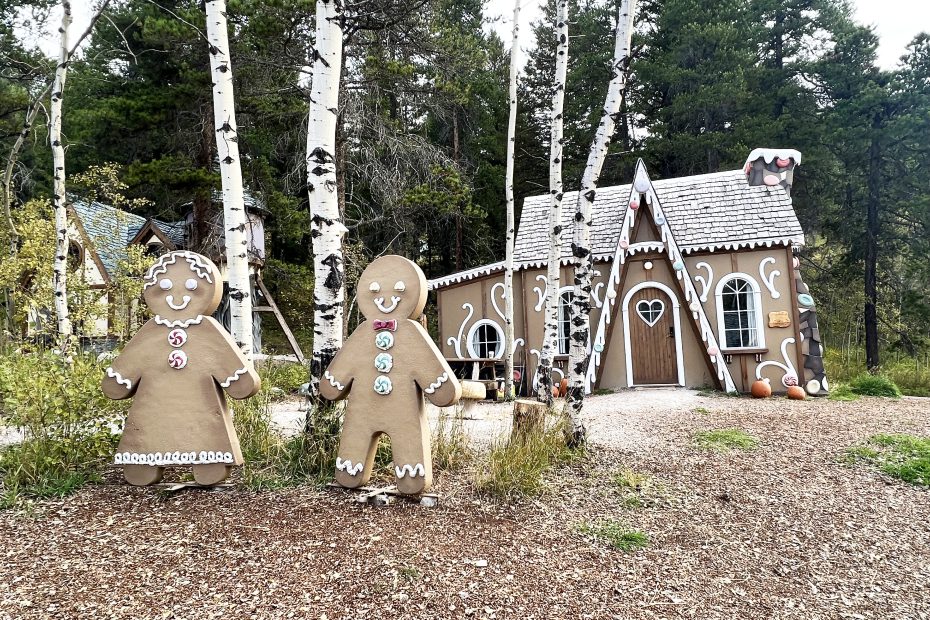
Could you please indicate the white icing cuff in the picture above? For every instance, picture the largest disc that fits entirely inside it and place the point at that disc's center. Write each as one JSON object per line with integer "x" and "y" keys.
{"x": 437, "y": 383}
{"x": 408, "y": 470}
{"x": 119, "y": 378}
{"x": 348, "y": 467}
{"x": 158, "y": 459}
{"x": 332, "y": 381}
{"x": 235, "y": 377}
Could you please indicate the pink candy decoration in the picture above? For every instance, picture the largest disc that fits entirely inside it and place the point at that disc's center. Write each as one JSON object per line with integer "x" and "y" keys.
{"x": 771, "y": 180}
{"x": 713, "y": 351}
{"x": 783, "y": 163}
{"x": 624, "y": 244}
{"x": 634, "y": 204}
{"x": 789, "y": 380}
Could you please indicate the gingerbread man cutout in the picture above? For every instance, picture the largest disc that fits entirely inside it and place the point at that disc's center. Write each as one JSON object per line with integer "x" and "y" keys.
{"x": 389, "y": 364}
{"x": 177, "y": 366}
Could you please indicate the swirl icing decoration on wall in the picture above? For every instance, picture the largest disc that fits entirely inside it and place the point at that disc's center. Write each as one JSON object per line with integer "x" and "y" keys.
{"x": 790, "y": 373}
{"x": 705, "y": 283}
{"x": 494, "y": 299}
{"x": 595, "y": 295}
{"x": 769, "y": 280}
{"x": 457, "y": 341}
{"x": 541, "y": 292}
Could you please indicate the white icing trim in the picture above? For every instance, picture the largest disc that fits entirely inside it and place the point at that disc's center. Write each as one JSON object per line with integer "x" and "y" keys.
{"x": 113, "y": 374}
{"x": 332, "y": 381}
{"x": 437, "y": 384}
{"x": 197, "y": 320}
{"x": 500, "y": 336}
{"x": 541, "y": 292}
{"x": 457, "y": 342}
{"x": 769, "y": 154}
{"x": 494, "y": 301}
{"x": 412, "y": 471}
{"x": 769, "y": 280}
{"x": 379, "y": 302}
{"x": 757, "y": 302}
{"x": 196, "y": 262}
{"x": 159, "y": 459}
{"x": 348, "y": 467}
{"x": 234, "y": 377}
{"x": 767, "y": 242}
{"x": 679, "y": 356}
{"x": 645, "y": 246}
{"x": 170, "y": 301}
{"x": 705, "y": 284}
{"x": 649, "y": 303}
{"x": 788, "y": 367}
{"x": 595, "y": 295}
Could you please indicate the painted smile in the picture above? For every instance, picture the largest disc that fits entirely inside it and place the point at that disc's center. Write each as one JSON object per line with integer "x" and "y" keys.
{"x": 170, "y": 301}
{"x": 379, "y": 301}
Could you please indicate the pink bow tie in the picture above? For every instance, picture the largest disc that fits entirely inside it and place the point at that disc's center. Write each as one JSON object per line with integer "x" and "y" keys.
{"x": 391, "y": 325}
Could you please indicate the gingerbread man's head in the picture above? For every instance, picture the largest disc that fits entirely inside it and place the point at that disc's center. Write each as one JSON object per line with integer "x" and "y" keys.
{"x": 182, "y": 285}
{"x": 392, "y": 287}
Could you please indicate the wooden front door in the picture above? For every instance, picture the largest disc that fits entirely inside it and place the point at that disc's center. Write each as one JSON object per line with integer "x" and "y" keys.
{"x": 652, "y": 338}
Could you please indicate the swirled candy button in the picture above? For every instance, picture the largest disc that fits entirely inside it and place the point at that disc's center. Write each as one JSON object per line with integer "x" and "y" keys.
{"x": 383, "y": 385}
{"x": 177, "y": 337}
{"x": 806, "y": 300}
{"x": 384, "y": 362}
{"x": 598, "y": 347}
{"x": 384, "y": 340}
{"x": 177, "y": 359}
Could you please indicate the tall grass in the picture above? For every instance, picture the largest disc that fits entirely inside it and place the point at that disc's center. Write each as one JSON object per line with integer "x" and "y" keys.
{"x": 910, "y": 374}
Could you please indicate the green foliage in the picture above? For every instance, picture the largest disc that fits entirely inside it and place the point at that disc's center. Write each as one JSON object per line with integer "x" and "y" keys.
{"x": 842, "y": 392}
{"x": 614, "y": 533}
{"x": 874, "y": 385}
{"x": 67, "y": 422}
{"x": 723, "y": 440}
{"x": 451, "y": 448}
{"x": 904, "y": 457}
{"x": 911, "y": 374}
{"x": 514, "y": 468}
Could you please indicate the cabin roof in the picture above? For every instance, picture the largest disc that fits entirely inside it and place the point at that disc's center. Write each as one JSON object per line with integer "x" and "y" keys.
{"x": 706, "y": 212}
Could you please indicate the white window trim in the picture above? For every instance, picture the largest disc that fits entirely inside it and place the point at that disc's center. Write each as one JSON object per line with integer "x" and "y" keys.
{"x": 718, "y": 298}
{"x": 562, "y": 291}
{"x": 628, "y": 346}
{"x": 471, "y": 334}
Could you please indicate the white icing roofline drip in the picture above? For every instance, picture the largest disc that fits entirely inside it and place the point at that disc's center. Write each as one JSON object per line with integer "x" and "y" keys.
{"x": 769, "y": 154}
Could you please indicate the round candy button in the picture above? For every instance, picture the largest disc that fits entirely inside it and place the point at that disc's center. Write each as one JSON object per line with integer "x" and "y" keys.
{"x": 384, "y": 340}
{"x": 384, "y": 362}
{"x": 177, "y": 359}
{"x": 177, "y": 337}
{"x": 383, "y": 385}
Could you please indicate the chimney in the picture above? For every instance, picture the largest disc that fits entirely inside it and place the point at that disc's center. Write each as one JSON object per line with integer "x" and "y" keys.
{"x": 772, "y": 167}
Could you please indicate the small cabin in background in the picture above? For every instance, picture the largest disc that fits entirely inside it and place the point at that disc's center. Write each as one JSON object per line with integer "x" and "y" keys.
{"x": 696, "y": 284}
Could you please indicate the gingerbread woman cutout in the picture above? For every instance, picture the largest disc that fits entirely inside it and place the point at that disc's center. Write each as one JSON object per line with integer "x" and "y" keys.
{"x": 389, "y": 364}
{"x": 177, "y": 366}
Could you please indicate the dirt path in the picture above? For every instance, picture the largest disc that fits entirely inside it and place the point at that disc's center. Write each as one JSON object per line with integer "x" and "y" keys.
{"x": 784, "y": 531}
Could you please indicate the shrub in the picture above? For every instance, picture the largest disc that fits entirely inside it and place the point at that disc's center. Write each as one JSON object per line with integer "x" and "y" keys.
{"x": 515, "y": 468}
{"x": 842, "y": 393}
{"x": 904, "y": 457}
{"x": 70, "y": 428}
{"x": 615, "y": 534}
{"x": 874, "y": 385}
{"x": 725, "y": 439}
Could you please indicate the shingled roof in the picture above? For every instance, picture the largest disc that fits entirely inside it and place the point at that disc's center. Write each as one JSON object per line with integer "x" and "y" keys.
{"x": 707, "y": 211}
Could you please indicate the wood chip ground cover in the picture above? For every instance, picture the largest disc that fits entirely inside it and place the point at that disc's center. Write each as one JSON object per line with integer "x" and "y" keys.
{"x": 788, "y": 530}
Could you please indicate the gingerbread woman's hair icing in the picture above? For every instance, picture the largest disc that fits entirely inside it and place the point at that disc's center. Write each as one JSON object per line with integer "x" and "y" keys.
{"x": 385, "y": 369}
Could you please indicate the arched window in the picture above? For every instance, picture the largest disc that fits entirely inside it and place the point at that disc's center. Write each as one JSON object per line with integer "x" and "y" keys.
{"x": 485, "y": 340}
{"x": 739, "y": 313}
{"x": 566, "y": 296}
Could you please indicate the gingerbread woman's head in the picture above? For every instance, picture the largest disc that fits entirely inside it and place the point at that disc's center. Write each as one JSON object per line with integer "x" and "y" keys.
{"x": 392, "y": 287}
{"x": 182, "y": 285}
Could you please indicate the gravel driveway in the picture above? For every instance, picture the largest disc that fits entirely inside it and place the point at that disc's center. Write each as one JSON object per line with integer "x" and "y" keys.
{"x": 783, "y": 531}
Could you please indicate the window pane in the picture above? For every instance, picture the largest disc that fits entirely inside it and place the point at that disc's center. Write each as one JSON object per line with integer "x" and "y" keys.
{"x": 740, "y": 321}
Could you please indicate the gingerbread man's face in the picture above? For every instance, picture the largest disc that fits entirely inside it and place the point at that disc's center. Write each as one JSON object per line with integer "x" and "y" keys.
{"x": 392, "y": 287}
{"x": 183, "y": 285}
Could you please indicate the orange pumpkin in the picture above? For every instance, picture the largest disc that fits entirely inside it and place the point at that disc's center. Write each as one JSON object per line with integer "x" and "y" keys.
{"x": 563, "y": 388}
{"x": 796, "y": 392}
{"x": 761, "y": 389}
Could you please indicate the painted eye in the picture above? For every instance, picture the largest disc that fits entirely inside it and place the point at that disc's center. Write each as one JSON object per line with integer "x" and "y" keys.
{"x": 374, "y": 287}
{"x": 191, "y": 284}
{"x": 400, "y": 286}
{"x": 165, "y": 284}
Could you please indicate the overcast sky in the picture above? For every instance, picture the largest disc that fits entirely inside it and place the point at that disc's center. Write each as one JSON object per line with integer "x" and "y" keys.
{"x": 896, "y": 22}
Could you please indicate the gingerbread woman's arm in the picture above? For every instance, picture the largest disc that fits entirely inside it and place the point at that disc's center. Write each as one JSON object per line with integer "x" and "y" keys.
{"x": 336, "y": 381}
{"x": 122, "y": 377}
{"x": 434, "y": 375}
{"x": 234, "y": 373}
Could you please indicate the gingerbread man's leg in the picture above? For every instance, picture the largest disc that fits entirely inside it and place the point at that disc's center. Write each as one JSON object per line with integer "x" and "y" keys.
{"x": 357, "y": 450}
{"x": 412, "y": 459}
{"x": 211, "y": 473}
{"x": 142, "y": 475}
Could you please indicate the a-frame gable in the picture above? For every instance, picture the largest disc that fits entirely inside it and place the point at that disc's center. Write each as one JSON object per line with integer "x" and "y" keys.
{"x": 644, "y": 201}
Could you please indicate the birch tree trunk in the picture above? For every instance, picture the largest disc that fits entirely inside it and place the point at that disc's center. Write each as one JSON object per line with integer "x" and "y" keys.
{"x": 227, "y": 145}
{"x": 326, "y": 227}
{"x": 59, "y": 195}
{"x": 554, "y": 263}
{"x": 508, "y": 191}
{"x": 581, "y": 251}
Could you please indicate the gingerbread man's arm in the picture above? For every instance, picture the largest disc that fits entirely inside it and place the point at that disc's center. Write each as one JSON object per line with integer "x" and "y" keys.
{"x": 336, "y": 381}
{"x": 233, "y": 372}
{"x": 122, "y": 377}
{"x": 434, "y": 375}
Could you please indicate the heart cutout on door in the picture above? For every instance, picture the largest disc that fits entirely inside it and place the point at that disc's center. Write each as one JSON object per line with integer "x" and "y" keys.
{"x": 650, "y": 311}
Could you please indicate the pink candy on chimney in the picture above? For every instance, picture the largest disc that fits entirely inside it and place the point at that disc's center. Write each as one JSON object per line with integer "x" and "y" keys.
{"x": 783, "y": 163}
{"x": 634, "y": 204}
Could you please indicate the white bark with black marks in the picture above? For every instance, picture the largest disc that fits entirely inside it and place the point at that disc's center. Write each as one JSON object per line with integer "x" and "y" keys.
{"x": 59, "y": 193}
{"x": 556, "y": 139}
{"x": 508, "y": 191}
{"x": 235, "y": 219}
{"x": 582, "y": 259}
{"x": 326, "y": 226}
